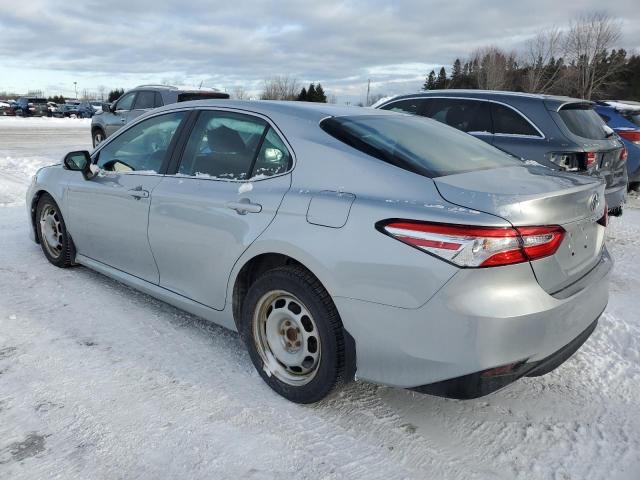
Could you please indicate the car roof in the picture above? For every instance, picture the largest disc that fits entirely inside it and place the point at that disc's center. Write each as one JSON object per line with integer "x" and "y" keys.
{"x": 278, "y": 108}
{"x": 551, "y": 100}
{"x": 179, "y": 88}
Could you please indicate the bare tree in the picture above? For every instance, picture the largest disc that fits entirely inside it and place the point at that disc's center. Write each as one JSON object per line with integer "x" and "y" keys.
{"x": 375, "y": 98}
{"x": 493, "y": 68}
{"x": 588, "y": 40}
{"x": 101, "y": 91}
{"x": 542, "y": 62}
{"x": 280, "y": 87}
{"x": 239, "y": 93}
{"x": 332, "y": 99}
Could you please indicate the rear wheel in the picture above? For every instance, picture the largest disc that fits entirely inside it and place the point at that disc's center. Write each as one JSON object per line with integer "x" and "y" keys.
{"x": 294, "y": 334}
{"x": 52, "y": 233}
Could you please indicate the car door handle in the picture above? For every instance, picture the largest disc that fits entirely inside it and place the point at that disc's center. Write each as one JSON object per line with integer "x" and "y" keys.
{"x": 244, "y": 206}
{"x": 139, "y": 193}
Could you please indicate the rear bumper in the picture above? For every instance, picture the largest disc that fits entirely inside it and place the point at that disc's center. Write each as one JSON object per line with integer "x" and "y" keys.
{"x": 616, "y": 196}
{"x": 481, "y": 319}
{"x": 479, "y": 384}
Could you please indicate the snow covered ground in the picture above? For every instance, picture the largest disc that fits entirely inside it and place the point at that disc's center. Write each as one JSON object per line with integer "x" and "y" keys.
{"x": 99, "y": 381}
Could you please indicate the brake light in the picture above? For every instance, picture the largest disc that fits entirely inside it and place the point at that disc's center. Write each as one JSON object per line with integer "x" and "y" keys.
{"x": 469, "y": 246}
{"x": 604, "y": 219}
{"x": 624, "y": 154}
{"x": 591, "y": 158}
{"x": 630, "y": 135}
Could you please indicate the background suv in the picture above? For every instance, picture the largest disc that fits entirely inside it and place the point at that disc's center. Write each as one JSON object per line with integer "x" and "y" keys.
{"x": 624, "y": 118}
{"x": 137, "y": 101}
{"x": 559, "y": 132}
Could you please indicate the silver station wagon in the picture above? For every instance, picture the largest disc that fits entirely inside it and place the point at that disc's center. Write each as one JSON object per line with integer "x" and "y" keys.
{"x": 340, "y": 242}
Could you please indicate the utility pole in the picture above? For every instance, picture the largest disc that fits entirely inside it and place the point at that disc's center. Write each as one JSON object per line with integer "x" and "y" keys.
{"x": 75, "y": 87}
{"x": 368, "y": 90}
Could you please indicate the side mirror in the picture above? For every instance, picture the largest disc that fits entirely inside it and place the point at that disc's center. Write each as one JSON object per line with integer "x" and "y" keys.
{"x": 106, "y": 107}
{"x": 79, "y": 161}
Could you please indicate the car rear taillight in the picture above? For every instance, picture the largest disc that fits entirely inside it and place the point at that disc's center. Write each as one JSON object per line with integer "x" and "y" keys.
{"x": 604, "y": 219}
{"x": 574, "y": 161}
{"x": 624, "y": 154}
{"x": 470, "y": 246}
{"x": 591, "y": 159}
{"x": 630, "y": 135}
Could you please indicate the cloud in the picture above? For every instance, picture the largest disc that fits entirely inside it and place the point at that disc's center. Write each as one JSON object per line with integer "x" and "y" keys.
{"x": 340, "y": 43}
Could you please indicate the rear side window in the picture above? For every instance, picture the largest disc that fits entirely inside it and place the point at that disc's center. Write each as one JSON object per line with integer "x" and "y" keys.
{"x": 509, "y": 122}
{"x": 225, "y": 145}
{"x": 411, "y": 105}
{"x": 471, "y": 116}
{"x": 145, "y": 100}
{"x": 416, "y": 145}
{"x": 582, "y": 120}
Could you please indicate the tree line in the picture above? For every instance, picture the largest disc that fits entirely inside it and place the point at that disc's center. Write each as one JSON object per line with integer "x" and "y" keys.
{"x": 581, "y": 61}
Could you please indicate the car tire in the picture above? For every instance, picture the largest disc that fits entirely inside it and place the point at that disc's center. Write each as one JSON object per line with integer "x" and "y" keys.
{"x": 98, "y": 137}
{"x": 294, "y": 334}
{"x": 615, "y": 212}
{"x": 634, "y": 187}
{"x": 52, "y": 233}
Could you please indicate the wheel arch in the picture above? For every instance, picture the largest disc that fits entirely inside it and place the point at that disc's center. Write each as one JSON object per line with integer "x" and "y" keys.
{"x": 259, "y": 263}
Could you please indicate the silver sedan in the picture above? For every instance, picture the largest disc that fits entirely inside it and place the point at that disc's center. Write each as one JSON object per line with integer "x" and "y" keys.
{"x": 339, "y": 242}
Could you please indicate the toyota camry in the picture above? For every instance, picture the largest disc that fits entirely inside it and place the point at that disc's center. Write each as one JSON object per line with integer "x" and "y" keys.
{"x": 339, "y": 242}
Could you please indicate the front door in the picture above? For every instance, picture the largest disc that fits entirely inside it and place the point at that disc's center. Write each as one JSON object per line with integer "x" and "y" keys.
{"x": 108, "y": 215}
{"x": 118, "y": 118}
{"x": 228, "y": 187}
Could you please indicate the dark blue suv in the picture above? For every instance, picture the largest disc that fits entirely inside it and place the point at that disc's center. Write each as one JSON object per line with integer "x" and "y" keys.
{"x": 559, "y": 132}
{"x": 624, "y": 118}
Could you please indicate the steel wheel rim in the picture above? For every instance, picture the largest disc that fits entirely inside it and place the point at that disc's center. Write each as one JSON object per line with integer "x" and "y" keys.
{"x": 287, "y": 338}
{"x": 97, "y": 138}
{"x": 51, "y": 230}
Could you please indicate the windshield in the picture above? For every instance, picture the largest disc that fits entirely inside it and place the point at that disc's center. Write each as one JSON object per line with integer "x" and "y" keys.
{"x": 632, "y": 116}
{"x": 582, "y": 120}
{"x": 417, "y": 144}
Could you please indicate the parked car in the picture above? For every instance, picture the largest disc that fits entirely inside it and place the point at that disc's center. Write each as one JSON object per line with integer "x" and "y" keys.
{"x": 339, "y": 240}
{"x": 137, "y": 101}
{"x": 31, "y": 107}
{"x": 4, "y": 107}
{"x": 559, "y": 132}
{"x": 97, "y": 106}
{"x": 624, "y": 118}
{"x": 52, "y": 107}
{"x": 79, "y": 110}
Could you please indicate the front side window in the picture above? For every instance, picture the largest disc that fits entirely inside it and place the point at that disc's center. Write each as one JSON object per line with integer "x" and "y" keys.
{"x": 471, "y": 116}
{"x": 145, "y": 100}
{"x": 230, "y": 146}
{"x": 141, "y": 148}
{"x": 404, "y": 106}
{"x": 418, "y": 146}
{"x": 126, "y": 102}
{"x": 508, "y": 121}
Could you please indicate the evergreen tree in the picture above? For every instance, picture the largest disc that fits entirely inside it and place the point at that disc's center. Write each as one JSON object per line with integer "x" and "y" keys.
{"x": 302, "y": 97}
{"x": 441, "y": 80}
{"x": 320, "y": 96}
{"x": 456, "y": 75}
{"x": 311, "y": 93}
{"x": 430, "y": 82}
{"x": 115, "y": 94}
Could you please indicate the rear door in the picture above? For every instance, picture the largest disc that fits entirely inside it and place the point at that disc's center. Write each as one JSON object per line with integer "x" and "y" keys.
{"x": 228, "y": 186}
{"x": 108, "y": 214}
{"x": 514, "y": 133}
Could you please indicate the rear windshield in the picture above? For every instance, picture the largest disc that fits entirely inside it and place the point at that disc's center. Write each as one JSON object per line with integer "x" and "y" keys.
{"x": 582, "y": 120}
{"x": 188, "y": 96}
{"x": 632, "y": 116}
{"x": 416, "y": 144}
{"x": 37, "y": 100}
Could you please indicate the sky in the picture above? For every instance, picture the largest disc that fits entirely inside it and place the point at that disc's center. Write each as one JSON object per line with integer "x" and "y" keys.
{"x": 49, "y": 44}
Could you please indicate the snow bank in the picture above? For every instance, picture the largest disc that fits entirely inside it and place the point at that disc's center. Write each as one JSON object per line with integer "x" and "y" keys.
{"x": 39, "y": 122}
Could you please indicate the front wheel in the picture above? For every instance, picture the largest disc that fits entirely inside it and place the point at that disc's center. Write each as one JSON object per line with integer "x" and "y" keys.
{"x": 294, "y": 334}
{"x": 98, "y": 137}
{"x": 52, "y": 233}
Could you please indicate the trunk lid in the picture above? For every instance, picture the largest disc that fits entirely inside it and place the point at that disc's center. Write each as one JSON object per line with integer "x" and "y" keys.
{"x": 536, "y": 196}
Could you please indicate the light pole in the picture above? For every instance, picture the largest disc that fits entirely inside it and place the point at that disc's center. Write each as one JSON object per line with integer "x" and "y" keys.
{"x": 75, "y": 87}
